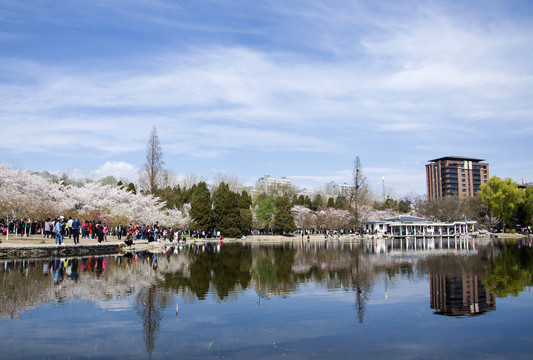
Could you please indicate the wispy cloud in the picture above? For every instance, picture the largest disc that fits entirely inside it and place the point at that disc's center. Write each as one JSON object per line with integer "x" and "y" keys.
{"x": 386, "y": 80}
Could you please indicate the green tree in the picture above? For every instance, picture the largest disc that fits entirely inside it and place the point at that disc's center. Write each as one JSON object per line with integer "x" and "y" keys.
{"x": 510, "y": 272}
{"x": 317, "y": 203}
{"x": 502, "y": 198}
{"x": 230, "y": 217}
{"x": 525, "y": 207}
{"x": 199, "y": 190}
{"x": 331, "y": 203}
{"x": 404, "y": 206}
{"x": 265, "y": 211}
{"x": 308, "y": 203}
{"x": 219, "y": 200}
{"x": 172, "y": 197}
{"x": 108, "y": 180}
{"x": 283, "y": 219}
{"x": 131, "y": 188}
{"x": 245, "y": 209}
{"x": 201, "y": 213}
{"x": 341, "y": 203}
{"x": 201, "y": 207}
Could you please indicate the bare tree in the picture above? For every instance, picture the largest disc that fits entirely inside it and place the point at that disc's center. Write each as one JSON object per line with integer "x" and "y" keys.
{"x": 359, "y": 194}
{"x": 187, "y": 181}
{"x": 152, "y": 175}
{"x": 232, "y": 181}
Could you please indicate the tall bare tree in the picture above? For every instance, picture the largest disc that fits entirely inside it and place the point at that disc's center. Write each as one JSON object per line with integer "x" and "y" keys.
{"x": 360, "y": 193}
{"x": 152, "y": 175}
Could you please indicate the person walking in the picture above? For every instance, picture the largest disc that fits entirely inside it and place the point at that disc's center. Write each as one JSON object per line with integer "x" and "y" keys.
{"x": 58, "y": 230}
{"x": 69, "y": 227}
{"x": 99, "y": 232}
{"x": 75, "y": 228}
{"x": 119, "y": 231}
{"x": 47, "y": 228}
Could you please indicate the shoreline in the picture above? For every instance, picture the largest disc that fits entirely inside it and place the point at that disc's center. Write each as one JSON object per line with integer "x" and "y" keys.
{"x": 33, "y": 246}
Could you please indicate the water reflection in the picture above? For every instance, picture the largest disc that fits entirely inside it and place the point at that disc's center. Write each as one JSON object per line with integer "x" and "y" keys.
{"x": 465, "y": 276}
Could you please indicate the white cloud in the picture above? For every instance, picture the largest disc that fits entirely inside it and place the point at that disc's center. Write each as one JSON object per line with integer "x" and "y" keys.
{"x": 117, "y": 169}
{"x": 402, "y": 78}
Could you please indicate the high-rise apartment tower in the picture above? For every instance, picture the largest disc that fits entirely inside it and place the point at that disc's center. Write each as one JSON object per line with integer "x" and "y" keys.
{"x": 455, "y": 176}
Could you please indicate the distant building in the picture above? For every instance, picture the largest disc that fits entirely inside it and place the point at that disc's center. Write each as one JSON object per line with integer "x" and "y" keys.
{"x": 455, "y": 176}
{"x": 305, "y": 192}
{"x": 333, "y": 189}
{"x": 275, "y": 186}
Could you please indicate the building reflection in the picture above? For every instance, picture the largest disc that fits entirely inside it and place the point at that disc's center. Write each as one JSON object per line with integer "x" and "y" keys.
{"x": 460, "y": 295}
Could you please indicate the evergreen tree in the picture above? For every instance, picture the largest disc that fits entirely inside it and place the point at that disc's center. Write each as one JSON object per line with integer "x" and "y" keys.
{"x": 341, "y": 203}
{"x": 219, "y": 199}
{"x": 201, "y": 207}
{"x": 201, "y": 213}
{"x": 199, "y": 190}
{"x": 283, "y": 220}
{"x": 308, "y": 203}
{"x": 317, "y": 203}
{"x": 300, "y": 201}
{"x": 331, "y": 203}
{"x": 131, "y": 188}
{"x": 245, "y": 204}
{"x": 230, "y": 217}
{"x": 404, "y": 206}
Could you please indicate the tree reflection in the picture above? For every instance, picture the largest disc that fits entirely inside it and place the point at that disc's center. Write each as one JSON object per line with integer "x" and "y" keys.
{"x": 231, "y": 267}
{"x": 273, "y": 271}
{"x": 362, "y": 281}
{"x": 200, "y": 277}
{"x": 150, "y": 303}
{"x": 511, "y": 271}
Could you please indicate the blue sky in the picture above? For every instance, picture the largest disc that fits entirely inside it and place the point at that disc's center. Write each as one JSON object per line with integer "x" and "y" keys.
{"x": 284, "y": 88}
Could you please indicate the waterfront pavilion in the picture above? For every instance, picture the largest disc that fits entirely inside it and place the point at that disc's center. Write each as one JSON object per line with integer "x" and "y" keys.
{"x": 404, "y": 225}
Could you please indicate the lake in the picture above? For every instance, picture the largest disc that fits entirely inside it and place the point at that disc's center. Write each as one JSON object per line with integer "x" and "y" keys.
{"x": 417, "y": 298}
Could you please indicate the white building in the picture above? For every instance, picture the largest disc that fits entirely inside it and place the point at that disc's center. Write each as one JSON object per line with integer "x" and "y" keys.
{"x": 333, "y": 189}
{"x": 270, "y": 185}
{"x": 415, "y": 226}
{"x": 305, "y": 192}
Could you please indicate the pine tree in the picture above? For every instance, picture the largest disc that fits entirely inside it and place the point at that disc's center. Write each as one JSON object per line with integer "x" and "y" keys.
{"x": 283, "y": 220}
{"x": 230, "y": 219}
{"x": 201, "y": 207}
{"x": 219, "y": 199}
{"x": 201, "y": 213}
{"x": 245, "y": 204}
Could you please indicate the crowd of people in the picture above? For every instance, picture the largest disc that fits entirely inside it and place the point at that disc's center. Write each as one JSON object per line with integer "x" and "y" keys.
{"x": 73, "y": 228}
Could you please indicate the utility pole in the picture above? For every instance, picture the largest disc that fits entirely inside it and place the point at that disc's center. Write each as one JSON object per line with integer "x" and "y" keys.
{"x": 383, "y": 189}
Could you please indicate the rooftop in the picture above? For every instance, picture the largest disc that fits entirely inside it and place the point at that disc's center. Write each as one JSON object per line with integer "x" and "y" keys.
{"x": 458, "y": 158}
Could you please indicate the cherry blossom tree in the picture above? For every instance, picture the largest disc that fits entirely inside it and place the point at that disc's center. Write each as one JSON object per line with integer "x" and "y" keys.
{"x": 27, "y": 195}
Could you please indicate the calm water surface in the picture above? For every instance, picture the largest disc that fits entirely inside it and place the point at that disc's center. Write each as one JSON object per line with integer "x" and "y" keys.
{"x": 429, "y": 298}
